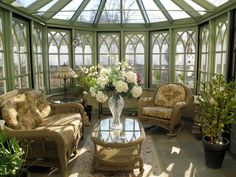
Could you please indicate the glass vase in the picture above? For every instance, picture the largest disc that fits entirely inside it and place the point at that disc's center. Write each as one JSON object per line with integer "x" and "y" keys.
{"x": 116, "y": 105}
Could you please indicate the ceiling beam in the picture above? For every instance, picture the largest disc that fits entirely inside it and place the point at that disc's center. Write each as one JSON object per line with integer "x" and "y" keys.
{"x": 10, "y": 1}
{"x": 79, "y": 10}
{"x": 37, "y": 5}
{"x": 163, "y": 10}
{"x": 143, "y": 11}
{"x": 187, "y": 8}
{"x": 55, "y": 9}
{"x": 206, "y": 5}
{"x": 99, "y": 12}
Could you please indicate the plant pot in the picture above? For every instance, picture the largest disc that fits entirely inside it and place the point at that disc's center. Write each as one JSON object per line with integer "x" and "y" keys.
{"x": 25, "y": 173}
{"x": 214, "y": 153}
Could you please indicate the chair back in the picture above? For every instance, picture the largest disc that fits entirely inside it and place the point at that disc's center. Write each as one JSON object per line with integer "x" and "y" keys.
{"x": 168, "y": 94}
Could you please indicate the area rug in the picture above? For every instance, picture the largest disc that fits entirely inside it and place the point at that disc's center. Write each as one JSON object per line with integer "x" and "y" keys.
{"x": 81, "y": 165}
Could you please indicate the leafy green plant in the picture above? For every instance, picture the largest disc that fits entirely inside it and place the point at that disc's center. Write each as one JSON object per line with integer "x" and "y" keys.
{"x": 87, "y": 77}
{"x": 217, "y": 101}
{"x": 11, "y": 157}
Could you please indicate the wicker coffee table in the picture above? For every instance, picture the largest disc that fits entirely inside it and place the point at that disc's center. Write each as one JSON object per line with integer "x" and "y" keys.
{"x": 118, "y": 150}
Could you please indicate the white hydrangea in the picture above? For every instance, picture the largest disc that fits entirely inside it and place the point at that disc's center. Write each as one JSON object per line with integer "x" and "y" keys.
{"x": 101, "y": 97}
{"x": 121, "y": 86}
{"x": 102, "y": 81}
{"x": 131, "y": 77}
{"x": 136, "y": 91}
{"x": 105, "y": 72}
{"x": 93, "y": 91}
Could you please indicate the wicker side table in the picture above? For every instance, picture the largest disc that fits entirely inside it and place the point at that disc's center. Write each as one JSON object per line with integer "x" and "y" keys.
{"x": 117, "y": 150}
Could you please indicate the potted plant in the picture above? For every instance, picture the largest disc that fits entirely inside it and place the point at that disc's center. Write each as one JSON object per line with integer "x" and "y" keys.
{"x": 217, "y": 102}
{"x": 11, "y": 158}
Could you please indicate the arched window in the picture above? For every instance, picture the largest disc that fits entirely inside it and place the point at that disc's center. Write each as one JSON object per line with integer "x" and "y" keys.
{"x": 221, "y": 46}
{"x": 59, "y": 54}
{"x": 83, "y": 52}
{"x": 135, "y": 53}
{"x": 108, "y": 48}
{"x": 185, "y": 51}
{"x": 21, "y": 53}
{"x": 204, "y": 53}
{"x": 38, "y": 57}
{"x": 159, "y": 58}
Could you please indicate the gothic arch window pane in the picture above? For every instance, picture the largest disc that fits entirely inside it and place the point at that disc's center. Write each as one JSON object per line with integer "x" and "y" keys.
{"x": 21, "y": 53}
{"x": 108, "y": 48}
{"x": 134, "y": 53}
{"x": 159, "y": 58}
{"x": 185, "y": 44}
{"x": 221, "y": 29}
{"x": 38, "y": 57}
{"x": 59, "y": 54}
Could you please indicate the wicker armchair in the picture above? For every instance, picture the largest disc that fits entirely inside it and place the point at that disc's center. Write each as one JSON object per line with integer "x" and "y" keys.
{"x": 52, "y": 141}
{"x": 164, "y": 108}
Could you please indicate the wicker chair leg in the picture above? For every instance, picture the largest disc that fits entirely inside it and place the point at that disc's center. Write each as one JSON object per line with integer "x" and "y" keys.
{"x": 141, "y": 169}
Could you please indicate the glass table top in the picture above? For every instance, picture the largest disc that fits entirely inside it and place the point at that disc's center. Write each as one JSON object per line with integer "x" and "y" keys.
{"x": 132, "y": 131}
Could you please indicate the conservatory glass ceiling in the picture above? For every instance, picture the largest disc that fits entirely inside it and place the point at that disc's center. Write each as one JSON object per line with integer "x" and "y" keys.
{"x": 117, "y": 11}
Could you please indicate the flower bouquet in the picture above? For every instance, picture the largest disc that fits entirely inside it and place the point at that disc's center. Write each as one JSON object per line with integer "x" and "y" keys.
{"x": 116, "y": 82}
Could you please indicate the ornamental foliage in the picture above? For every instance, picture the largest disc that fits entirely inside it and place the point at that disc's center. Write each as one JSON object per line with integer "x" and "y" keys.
{"x": 119, "y": 79}
{"x": 218, "y": 102}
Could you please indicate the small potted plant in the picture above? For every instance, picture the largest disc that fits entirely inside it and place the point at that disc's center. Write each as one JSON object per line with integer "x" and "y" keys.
{"x": 11, "y": 158}
{"x": 217, "y": 101}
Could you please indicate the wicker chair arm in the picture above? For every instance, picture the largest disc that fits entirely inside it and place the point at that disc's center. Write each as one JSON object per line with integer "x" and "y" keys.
{"x": 143, "y": 102}
{"x": 35, "y": 134}
{"x": 176, "y": 112}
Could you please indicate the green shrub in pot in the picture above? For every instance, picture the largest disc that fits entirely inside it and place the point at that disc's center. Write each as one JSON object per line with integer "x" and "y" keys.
{"x": 218, "y": 102}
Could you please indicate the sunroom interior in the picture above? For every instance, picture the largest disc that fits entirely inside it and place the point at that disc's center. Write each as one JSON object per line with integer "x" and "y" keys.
{"x": 186, "y": 41}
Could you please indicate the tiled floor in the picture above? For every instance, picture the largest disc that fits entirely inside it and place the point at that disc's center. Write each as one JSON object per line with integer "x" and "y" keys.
{"x": 180, "y": 156}
{"x": 183, "y": 156}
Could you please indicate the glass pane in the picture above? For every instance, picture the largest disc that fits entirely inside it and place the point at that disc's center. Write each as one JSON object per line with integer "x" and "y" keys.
{"x": 53, "y": 62}
{"x": 180, "y": 47}
{"x": 218, "y": 63}
{"x": 174, "y": 11}
{"x": 23, "y": 59}
{"x": 88, "y": 60}
{"x": 155, "y": 77}
{"x": 25, "y": 82}
{"x": 78, "y": 49}
{"x": 64, "y": 47}
{"x": 164, "y": 76}
{"x": 17, "y": 83}
{"x": 42, "y": 10}
{"x": 54, "y": 82}
{"x": 153, "y": 12}
{"x": 130, "y": 49}
{"x": 189, "y": 79}
{"x": 179, "y": 76}
{"x": 129, "y": 59}
{"x": 17, "y": 64}
{"x": 78, "y": 60}
{"x": 155, "y": 61}
{"x": 140, "y": 60}
{"x": 203, "y": 62}
{"x": 140, "y": 48}
{"x": 87, "y": 49}
{"x": 23, "y": 3}
{"x": 165, "y": 60}
{"x": 156, "y": 48}
{"x": 64, "y": 60}
{"x": 217, "y": 2}
{"x": 179, "y": 61}
{"x": 131, "y": 12}
{"x": 190, "y": 61}
{"x": 89, "y": 12}
{"x": 111, "y": 12}
{"x": 195, "y": 6}
{"x": 68, "y": 11}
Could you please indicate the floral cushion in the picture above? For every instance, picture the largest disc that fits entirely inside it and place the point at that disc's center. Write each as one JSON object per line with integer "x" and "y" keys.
{"x": 17, "y": 114}
{"x": 38, "y": 104}
{"x": 169, "y": 94}
{"x": 157, "y": 111}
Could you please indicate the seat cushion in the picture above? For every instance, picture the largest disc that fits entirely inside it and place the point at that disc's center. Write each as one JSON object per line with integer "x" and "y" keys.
{"x": 67, "y": 125}
{"x": 169, "y": 94}
{"x": 157, "y": 111}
